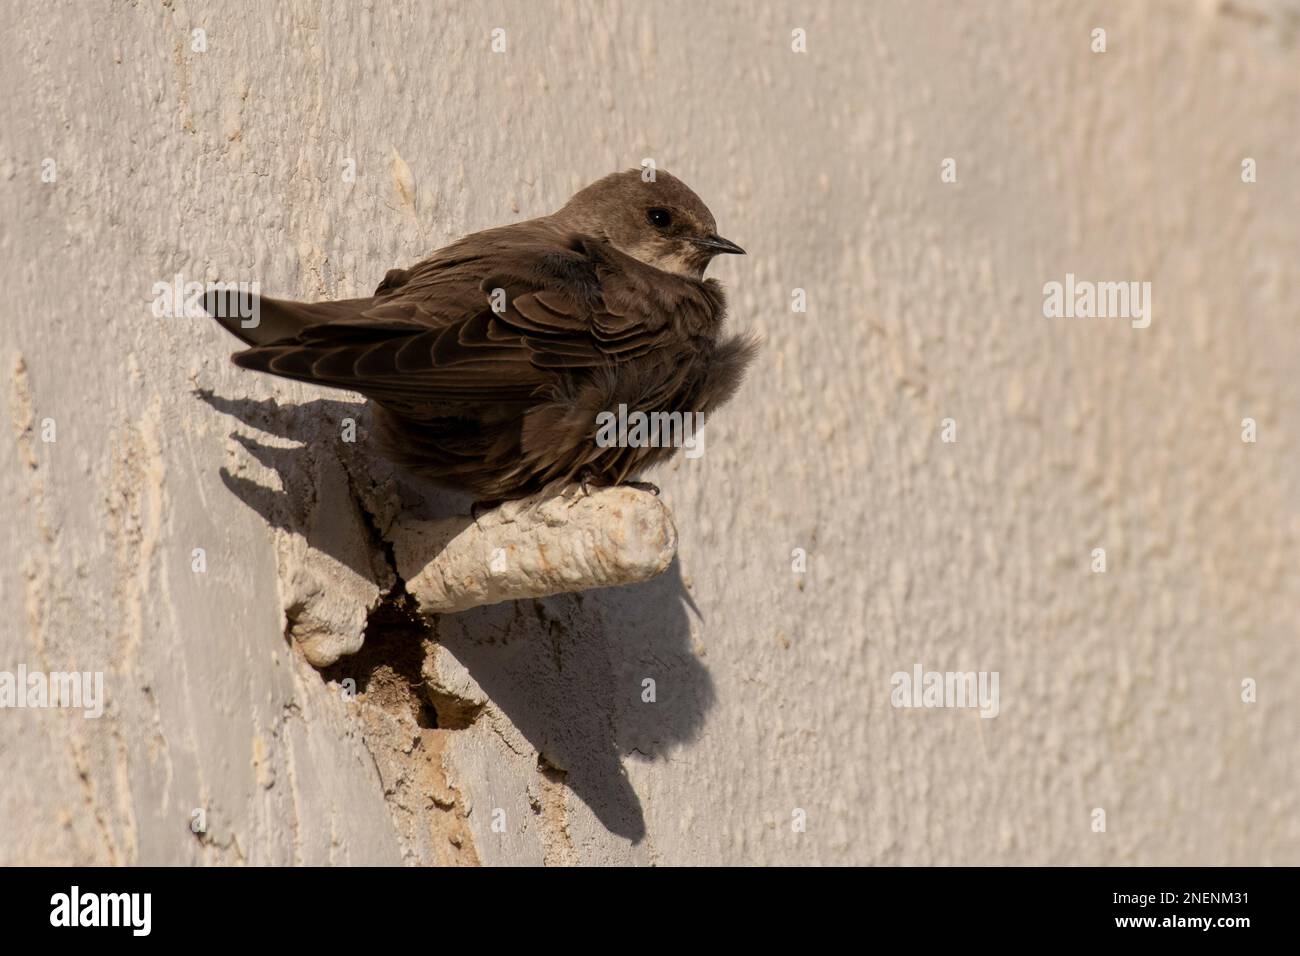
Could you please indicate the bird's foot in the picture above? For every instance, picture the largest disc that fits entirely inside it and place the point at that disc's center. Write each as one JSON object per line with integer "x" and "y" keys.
{"x": 587, "y": 481}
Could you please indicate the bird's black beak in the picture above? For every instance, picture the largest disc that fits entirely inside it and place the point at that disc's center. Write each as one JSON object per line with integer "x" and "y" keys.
{"x": 718, "y": 245}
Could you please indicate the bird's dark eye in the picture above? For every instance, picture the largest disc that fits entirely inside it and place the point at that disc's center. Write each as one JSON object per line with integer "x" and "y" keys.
{"x": 659, "y": 218}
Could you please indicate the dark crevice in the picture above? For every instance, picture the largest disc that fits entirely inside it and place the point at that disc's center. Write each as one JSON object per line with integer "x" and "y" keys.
{"x": 391, "y": 659}
{"x": 395, "y": 643}
{"x": 379, "y": 543}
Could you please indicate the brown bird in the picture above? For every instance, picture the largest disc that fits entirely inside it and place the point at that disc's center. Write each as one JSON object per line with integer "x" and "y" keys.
{"x": 490, "y": 361}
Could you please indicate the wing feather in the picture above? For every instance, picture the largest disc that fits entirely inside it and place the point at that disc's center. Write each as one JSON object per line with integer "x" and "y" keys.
{"x": 439, "y": 334}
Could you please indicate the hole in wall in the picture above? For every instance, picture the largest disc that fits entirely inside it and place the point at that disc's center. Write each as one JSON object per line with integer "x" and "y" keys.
{"x": 387, "y": 669}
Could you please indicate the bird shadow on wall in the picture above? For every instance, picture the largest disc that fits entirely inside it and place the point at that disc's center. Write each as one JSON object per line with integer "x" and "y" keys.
{"x": 589, "y": 680}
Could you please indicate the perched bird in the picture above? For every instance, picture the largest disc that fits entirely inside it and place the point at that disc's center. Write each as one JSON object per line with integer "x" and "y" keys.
{"x": 490, "y": 360}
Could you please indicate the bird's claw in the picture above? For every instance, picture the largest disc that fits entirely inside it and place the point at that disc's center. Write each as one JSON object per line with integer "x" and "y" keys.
{"x": 586, "y": 482}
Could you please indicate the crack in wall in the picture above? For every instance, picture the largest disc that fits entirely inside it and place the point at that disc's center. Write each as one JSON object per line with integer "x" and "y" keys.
{"x": 548, "y": 802}
{"x": 405, "y": 722}
{"x": 402, "y": 730}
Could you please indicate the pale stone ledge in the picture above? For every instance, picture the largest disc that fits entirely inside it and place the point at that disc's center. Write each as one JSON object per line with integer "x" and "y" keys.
{"x": 535, "y": 547}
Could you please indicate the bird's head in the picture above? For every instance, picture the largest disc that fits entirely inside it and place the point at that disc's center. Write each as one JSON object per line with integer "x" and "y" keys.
{"x": 659, "y": 221}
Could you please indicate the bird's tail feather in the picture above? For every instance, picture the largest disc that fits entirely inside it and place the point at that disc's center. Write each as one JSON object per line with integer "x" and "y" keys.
{"x": 260, "y": 320}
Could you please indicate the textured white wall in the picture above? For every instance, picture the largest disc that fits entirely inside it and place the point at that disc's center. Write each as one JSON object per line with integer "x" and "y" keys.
{"x": 1119, "y": 690}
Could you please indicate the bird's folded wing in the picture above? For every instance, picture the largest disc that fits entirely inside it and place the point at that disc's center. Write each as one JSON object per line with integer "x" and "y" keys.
{"x": 498, "y": 324}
